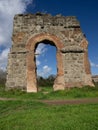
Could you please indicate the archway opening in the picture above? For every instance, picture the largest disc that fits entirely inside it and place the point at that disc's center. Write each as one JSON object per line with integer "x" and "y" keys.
{"x": 46, "y": 65}
{"x": 31, "y": 61}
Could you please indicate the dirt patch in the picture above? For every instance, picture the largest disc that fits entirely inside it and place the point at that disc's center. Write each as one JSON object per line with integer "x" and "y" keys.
{"x": 7, "y": 99}
{"x": 60, "y": 102}
{"x": 71, "y": 101}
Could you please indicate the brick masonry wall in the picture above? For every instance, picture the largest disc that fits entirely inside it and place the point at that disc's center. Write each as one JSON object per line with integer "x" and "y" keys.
{"x": 65, "y": 33}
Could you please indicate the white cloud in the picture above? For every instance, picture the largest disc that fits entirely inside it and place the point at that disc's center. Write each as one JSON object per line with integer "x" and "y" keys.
{"x": 41, "y": 49}
{"x": 38, "y": 62}
{"x": 8, "y": 8}
{"x": 3, "y": 58}
{"x": 46, "y": 68}
{"x": 93, "y": 64}
{"x": 45, "y": 71}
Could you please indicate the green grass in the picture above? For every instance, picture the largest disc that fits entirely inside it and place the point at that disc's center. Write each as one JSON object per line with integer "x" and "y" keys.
{"x": 27, "y": 113}
{"x": 48, "y": 93}
{"x": 33, "y": 115}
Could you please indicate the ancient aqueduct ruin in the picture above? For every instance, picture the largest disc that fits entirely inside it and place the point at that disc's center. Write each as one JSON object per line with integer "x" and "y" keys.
{"x": 73, "y": 68}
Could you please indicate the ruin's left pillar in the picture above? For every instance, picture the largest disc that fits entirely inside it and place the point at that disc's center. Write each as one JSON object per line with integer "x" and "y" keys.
{"x": 16, "y": 71}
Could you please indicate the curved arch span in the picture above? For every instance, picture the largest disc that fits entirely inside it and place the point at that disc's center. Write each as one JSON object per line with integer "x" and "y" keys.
{"x": 31, "y": 66}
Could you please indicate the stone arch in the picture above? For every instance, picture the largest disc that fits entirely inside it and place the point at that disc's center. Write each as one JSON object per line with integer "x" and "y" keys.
{"x": 31, "y": 67}
{"x": 72, "y": 52}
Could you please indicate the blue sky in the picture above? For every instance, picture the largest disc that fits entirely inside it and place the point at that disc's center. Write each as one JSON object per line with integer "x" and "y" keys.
{"x": 46, "y": 60}
{"x": 85, "y": 10}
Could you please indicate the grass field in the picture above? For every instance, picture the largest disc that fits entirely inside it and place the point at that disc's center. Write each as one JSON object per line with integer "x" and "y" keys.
{"x": 27, "y": 113}
{"x": 33, "y": 115}
{"x": 48, "y": 93}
